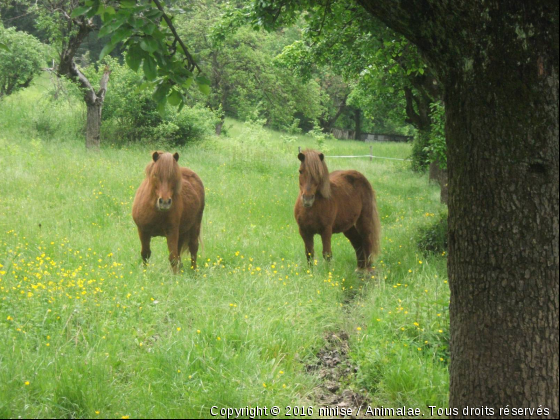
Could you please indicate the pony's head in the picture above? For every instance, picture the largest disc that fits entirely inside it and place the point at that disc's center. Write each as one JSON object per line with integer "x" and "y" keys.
{"x": 313, "y": 177}
{"x": 164, "y": 176}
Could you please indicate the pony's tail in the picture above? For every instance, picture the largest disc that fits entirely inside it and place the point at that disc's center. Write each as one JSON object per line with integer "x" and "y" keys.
{"x": 376, "y": 231}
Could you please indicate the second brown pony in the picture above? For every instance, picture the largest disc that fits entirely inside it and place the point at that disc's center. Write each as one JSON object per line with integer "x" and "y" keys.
{"x": 342, "y": 201}
{"x": 169, "y": 203}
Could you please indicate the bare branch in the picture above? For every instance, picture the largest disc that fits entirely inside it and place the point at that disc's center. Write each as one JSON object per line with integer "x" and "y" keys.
{"x": 103, "y": 84}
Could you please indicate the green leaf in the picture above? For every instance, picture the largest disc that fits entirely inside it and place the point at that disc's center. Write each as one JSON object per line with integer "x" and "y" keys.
{"x": 161, "y": 106}
{"x": 128, "y": 3}
{"x": 204, "y": 89}
{"x": 109, "y": 27}
{"x": 133, "y": 58}
{"x": 150, "y": 68}
{"x": 203, "y": 80}
{"x": 100, "y": 10}
{"x": 160, "y": 93}
{"x": 149, "y": 28}
{"x": 4, "y": 47}
{"x": 143, "y": 86}
{"x": 106, "y": 50}
{"x": 174, "y": 98}
{"x": 96, "y": 9}
{"x": 188, "y": 83}
{"x": 121, "y": 34}
{"x": 149, "y": 44}
{"x": 78, "y": 11}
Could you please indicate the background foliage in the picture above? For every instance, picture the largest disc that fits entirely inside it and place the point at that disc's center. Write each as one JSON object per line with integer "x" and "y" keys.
{"x": 21, "y": 58}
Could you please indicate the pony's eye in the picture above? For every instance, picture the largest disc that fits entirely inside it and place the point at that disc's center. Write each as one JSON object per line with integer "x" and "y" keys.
{"x": 300, "y": 171}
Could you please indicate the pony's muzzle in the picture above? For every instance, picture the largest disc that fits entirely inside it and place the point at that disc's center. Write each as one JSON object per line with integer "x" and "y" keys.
{"x": 163, "y": 205}
{"x": 308, "y": 200}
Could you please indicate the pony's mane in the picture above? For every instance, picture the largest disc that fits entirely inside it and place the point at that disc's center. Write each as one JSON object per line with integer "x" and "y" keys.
{"x": 165, "y": 168}
{"x": 318, "y": 170}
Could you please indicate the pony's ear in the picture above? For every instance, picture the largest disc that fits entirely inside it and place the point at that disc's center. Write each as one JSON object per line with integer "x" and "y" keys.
{"x": 176, "y": 157}
{"x": 301, "y": 156}
{"x": 321, "y": 156}
{"x": 155, "y": 156}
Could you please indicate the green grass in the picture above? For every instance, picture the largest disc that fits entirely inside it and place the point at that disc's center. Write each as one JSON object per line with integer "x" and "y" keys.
{"x": 85, "y": 328}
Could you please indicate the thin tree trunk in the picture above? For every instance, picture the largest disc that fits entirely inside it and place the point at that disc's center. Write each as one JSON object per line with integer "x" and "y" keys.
{"x": 94, "y": 102}
{"x": 93, "y": 125}
{"x": 358, "y": 123}
{"x": 219, "y": 127}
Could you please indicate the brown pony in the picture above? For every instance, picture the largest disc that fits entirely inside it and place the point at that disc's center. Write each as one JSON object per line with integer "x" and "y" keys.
{"x": 342, "y": 201}
{"x": 169, "y": 203}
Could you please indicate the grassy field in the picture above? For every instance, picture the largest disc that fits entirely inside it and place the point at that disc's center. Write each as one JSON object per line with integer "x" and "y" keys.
{"x": 87, "y": 331}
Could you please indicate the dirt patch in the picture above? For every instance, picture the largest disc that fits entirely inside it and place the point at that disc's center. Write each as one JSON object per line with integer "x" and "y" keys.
{"x": 335, "y": 370}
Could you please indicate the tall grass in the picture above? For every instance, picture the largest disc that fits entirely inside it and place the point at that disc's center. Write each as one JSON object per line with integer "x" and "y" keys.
{"x": 86, "y": 330}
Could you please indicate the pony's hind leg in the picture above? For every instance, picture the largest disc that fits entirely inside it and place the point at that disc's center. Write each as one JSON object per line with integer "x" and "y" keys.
{"x": 365, "y": 226}
{"x": 146, "y": 252}
{"x": 193, "y": 243}
{"x": 357, "y": 242}
{"x": 193, "y": 249}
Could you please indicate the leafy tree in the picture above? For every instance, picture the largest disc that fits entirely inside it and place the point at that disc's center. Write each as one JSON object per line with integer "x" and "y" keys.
{"x": 498, "y": 66}
{"x": 437, "y": 148}
{"x": 21, "y": 58}
{"x": 142, "y": 27}
{"x": 391, "y": 78}
{"x": 241, "y": 70}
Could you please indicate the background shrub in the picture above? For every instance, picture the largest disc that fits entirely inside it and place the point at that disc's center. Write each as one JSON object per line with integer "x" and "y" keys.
{"x": 130, "y": 114}
{"x": 20, "y": 62}
{"x": 433, "y": 237}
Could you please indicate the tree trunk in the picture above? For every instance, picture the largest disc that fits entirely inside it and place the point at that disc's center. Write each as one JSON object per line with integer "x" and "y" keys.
{"x": 219, "y": 127}
{"x": 94, "y": 100}
{"x": 503, "y": 238}
{"x": 93, "y": 125}
{"x": 498, "y": 63}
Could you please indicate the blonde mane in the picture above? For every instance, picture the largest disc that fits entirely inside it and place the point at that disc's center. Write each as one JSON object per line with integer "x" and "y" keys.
{"x": 165, "y": 169}
{"x": 318, "y": 170}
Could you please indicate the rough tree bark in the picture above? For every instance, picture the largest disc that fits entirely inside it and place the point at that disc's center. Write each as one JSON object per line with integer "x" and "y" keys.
{"x": 67, "y": 67}
{"x": 498, "y": 63}
{"x": 94, "y": 102}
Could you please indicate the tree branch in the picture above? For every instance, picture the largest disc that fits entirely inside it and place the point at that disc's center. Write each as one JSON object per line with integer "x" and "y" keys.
{"x": 190, "y": 59}
{"x": 103, "y": 84}
{"x": 428, "y": 24}
{"x": 413, "y": 117}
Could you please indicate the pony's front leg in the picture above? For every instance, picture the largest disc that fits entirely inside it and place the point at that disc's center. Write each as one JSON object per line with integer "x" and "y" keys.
{"x": 173, "y": 247}
{"x": 145, "y": 241}
{"x": 326, "y": 238}
{"x": 308, "y": 242}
